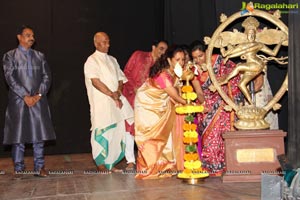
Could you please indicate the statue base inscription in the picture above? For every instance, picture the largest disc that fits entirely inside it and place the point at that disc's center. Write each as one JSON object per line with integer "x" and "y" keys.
{"x": 250, "y": 153}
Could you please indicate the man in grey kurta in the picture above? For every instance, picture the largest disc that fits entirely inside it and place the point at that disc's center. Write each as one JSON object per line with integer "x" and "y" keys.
{"x": 27, "y": 117}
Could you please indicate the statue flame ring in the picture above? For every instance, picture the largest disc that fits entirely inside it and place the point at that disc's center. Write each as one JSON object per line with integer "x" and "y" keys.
{"x": 250, "y": 117}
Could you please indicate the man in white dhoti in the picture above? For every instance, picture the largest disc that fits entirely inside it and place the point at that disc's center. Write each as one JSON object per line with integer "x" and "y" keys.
{"x": 108, "y": 107}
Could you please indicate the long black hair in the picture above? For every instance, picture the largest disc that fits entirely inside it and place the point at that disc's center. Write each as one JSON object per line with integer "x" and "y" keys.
{"x": 162, "y": 62}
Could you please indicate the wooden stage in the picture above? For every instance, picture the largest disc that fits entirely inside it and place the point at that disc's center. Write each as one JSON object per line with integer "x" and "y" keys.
{"x": 73, "y": 177}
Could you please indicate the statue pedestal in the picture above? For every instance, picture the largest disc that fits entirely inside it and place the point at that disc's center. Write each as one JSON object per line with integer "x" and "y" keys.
{"x": 249, "y": 153}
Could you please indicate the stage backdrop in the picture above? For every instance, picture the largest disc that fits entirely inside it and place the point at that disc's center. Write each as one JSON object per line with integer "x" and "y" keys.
{"x": 64, "y": 31}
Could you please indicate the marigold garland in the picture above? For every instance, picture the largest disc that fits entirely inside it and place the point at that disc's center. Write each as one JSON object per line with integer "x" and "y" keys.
{"x": 187, "y": 88}
{"x": 189, "y": 127}
{"x": 192, "y": 164}
{"x": 198, "y": 171}
{"x": 190, "y": 156}
{"x": 188, "y": 140}
{"x": 189, "y": 109}
{"x": 193, "y": 175}
{"x": 191, "y": 133}
{"x": 190, "y": 95}
{"x": 187, "y": 171}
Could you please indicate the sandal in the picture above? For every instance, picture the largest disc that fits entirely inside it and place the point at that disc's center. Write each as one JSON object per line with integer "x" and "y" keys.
{"x": 130, "y": 166}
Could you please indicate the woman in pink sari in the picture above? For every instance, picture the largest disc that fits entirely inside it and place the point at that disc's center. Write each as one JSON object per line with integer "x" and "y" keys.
{"x": 215, "y": 121}
{"x": 155, "y": 118}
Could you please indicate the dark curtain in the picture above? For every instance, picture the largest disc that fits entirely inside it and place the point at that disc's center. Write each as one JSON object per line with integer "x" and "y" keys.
{"x": 188, "y": 21}
{"x": 64, "y": 30}
{"x": 293, "y": 147}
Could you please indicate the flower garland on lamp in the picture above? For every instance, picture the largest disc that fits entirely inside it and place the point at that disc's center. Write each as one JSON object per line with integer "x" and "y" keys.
{"x": 192, "y": 165}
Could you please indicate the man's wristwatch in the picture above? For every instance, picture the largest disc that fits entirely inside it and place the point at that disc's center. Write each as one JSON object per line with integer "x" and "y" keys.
{"x": 40, "y": 94}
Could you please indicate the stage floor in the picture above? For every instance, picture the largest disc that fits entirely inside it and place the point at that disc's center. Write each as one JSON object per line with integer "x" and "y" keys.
{"x": 72, "y": 178}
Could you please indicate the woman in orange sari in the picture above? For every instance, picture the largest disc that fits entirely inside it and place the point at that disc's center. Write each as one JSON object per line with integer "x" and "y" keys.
{"x": 215, "y": 121}
{"x": 155, "y": 118}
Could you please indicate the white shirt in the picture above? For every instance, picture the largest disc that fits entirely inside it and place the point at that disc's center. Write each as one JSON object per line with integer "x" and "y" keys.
{"x": 103, "y": 109}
